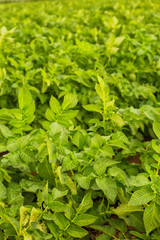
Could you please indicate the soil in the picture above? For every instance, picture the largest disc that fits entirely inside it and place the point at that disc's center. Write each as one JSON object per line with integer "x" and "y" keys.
{"x": 134, "y": 159}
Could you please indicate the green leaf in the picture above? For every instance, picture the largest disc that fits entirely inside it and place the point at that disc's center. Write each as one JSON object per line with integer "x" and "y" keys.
{"x": 118, "y": 224}
{"x": 83, "y": 181}
{"x": 76, "y": 231}
{"x": 28, "y": 237}
{"x": 119, "y": 40}
{"x": 86, "y": 203}
{"x": 31, "y": 186}
{"x": 70, "y": 100}
{"x": 125, "y": 209}
{"x": 55, "y": 106}
{"x": 103, "y": 236}
{"x": 5, "y": 131}
{"x": 27, "y": 156}
{"x": 1, "y": 235}
{"x": 50, "y": 115}
{"x": 93, "y": 108}
{"x": 57, "y": 206}
{"x": 58, "y": 194}
{"x": 100, "y": 167}
{"x": 84, "y": 219}
{"x": 102, "y": 89}
{"x": 151, "y": 217}
{"x": 34, "y": 215}
{"x": 78, "y": 140}
{"x": 141, "y": 197}
{"x": 156, "y": 146}
{"x": 108, "y": 186}
{"x": 119, "y": 174}
{"x": 156, "y": 129}
{"x": 23, "y": 216}
{"x": 45, "y": 171}
{"x": 71, "y": 185}
{"x": 118, "y": 120}
{"x": 96, "y": 141}
{"x": 108, "y": 230}
{"x": 69, "y": 163}
{"x": 3, "y": 191}
{"x": 24, "y": 98}
{"x": 60, "y": 220}
{"x": 151, "y": 112}
{"x": 53, "y": 228}
{"x": 140, "y": 180}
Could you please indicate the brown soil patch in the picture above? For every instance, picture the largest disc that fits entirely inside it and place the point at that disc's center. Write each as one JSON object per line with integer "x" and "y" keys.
{"x": 134, "y": 159}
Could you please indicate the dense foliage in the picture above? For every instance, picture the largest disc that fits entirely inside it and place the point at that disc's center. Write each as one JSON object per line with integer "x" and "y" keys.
{"x": 80, "y": 120}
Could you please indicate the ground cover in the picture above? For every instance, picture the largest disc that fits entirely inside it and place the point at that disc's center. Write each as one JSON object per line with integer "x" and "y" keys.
{"x": 80, "y": 120}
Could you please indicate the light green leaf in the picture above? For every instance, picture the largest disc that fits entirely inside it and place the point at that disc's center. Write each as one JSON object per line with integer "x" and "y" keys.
{"x": 118, "y": 40}
{"x": 55, "y": 106}
{"x": 156, "y": 129}
{"x": 34, "y": 215}
{"x": 125, "y": 209}
{"x": 100, "y": 167}
{"x": 84, "y": 219}
{"x": 27, "y": 237}
{"x": 70, "y": 100}
{"x": 118, "y": 173}
{"x": 118, "y": 120}
{"x": 108, "y": 186}
{"x": 58, "y": 194}
{"x": 93, "y": 108}
{"x": 141, "y": 197}
{"x": 102, "y": 90}
{"x": 3, "y": 191}
{"x": 151, "y": 217}
{"x": 5, "y": 131}
{"x": 140, "y": 180}
{"x": 76, "y": 231}
{"x": 24, "y": 98}
{"x": 96, "y": 141}
{"x": 83, "y": 181}
{"x": 151, "y": 112}
{"x": 71, "y": 185}
{"x": 86, "y": 203}
{"x": 60, "y": 220}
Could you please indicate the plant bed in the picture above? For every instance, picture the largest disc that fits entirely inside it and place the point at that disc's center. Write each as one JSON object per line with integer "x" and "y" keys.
{"x": 80, "y": 120}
